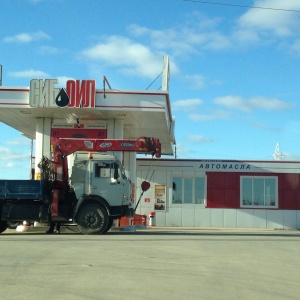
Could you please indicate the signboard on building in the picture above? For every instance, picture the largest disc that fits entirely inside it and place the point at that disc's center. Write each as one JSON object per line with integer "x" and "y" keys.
{"x": 88, "y": 131}
{"x": 77, "y": 94}
{"x": 160, "y": 197}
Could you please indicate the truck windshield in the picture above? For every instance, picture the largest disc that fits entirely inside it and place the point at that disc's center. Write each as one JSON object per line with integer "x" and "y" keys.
{"x": 109, "y": 169}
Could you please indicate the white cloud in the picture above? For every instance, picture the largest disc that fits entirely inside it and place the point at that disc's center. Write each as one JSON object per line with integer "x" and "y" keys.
{"x": 160, "y": 39}
{"x": 198, "y": 33}
{"x": 269, "y": 104}
{"x": 9, "y": 165}
{"x": 296, "y": 46}
{"x": 216, "y": 115}
{"x": 218, "y": 41}
{"x": 10, "y": 155}
{"x": 196, "y": 81}
{"x": 40, "y": 74}
{"x": 177, "y": 41}
{"x": 187, "y": 104}
{"x": 239, "y": 103}
{"x": 48, "y": 50}
{"x": 263, "y": 126}
{"x": 267, "y": 21}
{"x": 142, "y": 55}
{"x": 291, "y": 156}
{"x": 29, "y": 74}
{"x": 245, "y": 36}
{"x": 18, "y": 142}
{"x": 62, "y": 80}
{"x": 199, "y": 139}
{"x": 233, "y": 102}
{"x": 130, "y": 57}
{"x": 182, "y": 150}
{"x": 3, "y": 151}
{"x": 27, "y": 37}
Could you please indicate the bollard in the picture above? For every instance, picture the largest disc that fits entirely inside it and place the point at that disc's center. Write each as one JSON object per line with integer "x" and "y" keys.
{"x": 24, "y": 227}
{"x": 152, "y": 218}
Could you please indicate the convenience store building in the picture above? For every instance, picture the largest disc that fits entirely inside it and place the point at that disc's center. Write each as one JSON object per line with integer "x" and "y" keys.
{"x": 222, "y": 193}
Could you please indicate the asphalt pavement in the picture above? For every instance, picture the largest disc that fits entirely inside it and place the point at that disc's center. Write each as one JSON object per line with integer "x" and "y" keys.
{"x": 152, "y": 263}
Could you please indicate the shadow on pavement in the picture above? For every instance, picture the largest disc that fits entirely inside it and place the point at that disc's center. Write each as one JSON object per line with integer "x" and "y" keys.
{"x": 174, "y": 231}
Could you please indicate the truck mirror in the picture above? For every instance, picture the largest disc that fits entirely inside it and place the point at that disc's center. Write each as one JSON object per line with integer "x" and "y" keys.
{"x": 145, "y": 186}
{"x": 116, "y": 172}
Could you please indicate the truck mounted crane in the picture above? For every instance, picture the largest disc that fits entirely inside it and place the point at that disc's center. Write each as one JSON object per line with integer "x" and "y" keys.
{"x": 96, "y": 193}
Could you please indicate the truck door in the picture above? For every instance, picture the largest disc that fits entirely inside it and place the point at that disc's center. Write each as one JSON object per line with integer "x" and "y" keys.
{"x": 107, "y": 182}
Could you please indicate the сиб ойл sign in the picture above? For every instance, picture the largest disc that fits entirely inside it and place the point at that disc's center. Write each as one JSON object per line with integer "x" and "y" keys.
{"x": 77, "y": 94}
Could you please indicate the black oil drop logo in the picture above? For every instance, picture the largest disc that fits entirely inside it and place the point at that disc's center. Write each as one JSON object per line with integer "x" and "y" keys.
{"x": 62, "y": 98}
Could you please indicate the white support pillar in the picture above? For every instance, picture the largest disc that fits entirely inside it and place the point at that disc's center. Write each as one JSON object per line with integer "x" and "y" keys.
{"x": 130, "y": 165}
{"x": 42, "y": 143}
{"x": 166, "y": 75}
{"x": 115, "y": 130}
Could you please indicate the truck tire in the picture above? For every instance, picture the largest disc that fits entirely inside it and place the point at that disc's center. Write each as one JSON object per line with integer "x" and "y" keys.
{"x": 3, "y": 226}
{"x": 92, "y": 219}
{"x": 109, "y": 225}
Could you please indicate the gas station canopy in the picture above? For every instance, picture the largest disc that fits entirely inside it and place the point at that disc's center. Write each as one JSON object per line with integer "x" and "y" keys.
{"x": 143, "y": 113}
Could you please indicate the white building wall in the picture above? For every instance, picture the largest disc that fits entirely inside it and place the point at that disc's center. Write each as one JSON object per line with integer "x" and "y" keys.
{"x": 230, "y": 218}
{"x": 191, "y": 215}
{"x": 298, "y": 219}
{"x": 290, "y": 219}
{"x": 202, "y": 217}
{"x": 245, "y": 218}
{"x": 259, "y": 218}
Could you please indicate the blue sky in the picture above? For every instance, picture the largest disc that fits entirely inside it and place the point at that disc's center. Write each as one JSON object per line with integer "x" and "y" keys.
{"x": 234, "y": 85}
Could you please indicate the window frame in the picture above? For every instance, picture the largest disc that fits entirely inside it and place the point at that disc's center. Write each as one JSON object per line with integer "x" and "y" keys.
{"x": 193, "y": 192}
{"x": 264, "y": 178}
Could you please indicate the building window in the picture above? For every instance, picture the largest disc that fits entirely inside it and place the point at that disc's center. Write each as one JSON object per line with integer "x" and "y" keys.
{"x": 259, "y": 192}
{"x": 189, "y": 190}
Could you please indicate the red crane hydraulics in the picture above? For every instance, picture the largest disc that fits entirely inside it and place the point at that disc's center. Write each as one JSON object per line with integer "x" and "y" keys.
{"x": 62, "y": 147}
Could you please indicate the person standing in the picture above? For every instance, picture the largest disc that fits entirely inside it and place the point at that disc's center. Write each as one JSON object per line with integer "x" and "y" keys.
{"x": 54, "y": 228}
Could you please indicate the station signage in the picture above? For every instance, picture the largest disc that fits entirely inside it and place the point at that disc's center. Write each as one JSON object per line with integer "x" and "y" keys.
{"x": 93, "y": 131}
{"x": 226, "y": 166}
{"x": 78, "y": 131}
{"x": 77, "y": 94}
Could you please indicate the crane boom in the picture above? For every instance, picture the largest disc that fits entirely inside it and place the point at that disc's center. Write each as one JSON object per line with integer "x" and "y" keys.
{"x": 67, "y": 146}
{"x": 62, "y": 147}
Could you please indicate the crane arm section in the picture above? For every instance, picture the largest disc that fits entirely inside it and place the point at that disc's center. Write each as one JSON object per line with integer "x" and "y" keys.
{"x": 148, "y": 145}
{"x": 62, "y": 147}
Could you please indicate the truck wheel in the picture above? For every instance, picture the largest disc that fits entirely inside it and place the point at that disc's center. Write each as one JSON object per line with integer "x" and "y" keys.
{"x": 92, "y": 219}
{"x": 109, "y": 225}
{"x": 3, "y": 226}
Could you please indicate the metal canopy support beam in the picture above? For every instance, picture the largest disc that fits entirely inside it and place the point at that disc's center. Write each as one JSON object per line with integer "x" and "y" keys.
{"x": 42, "y": 144}
{"x": 166, "y": 75}
{"x": 115, "y": 130}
